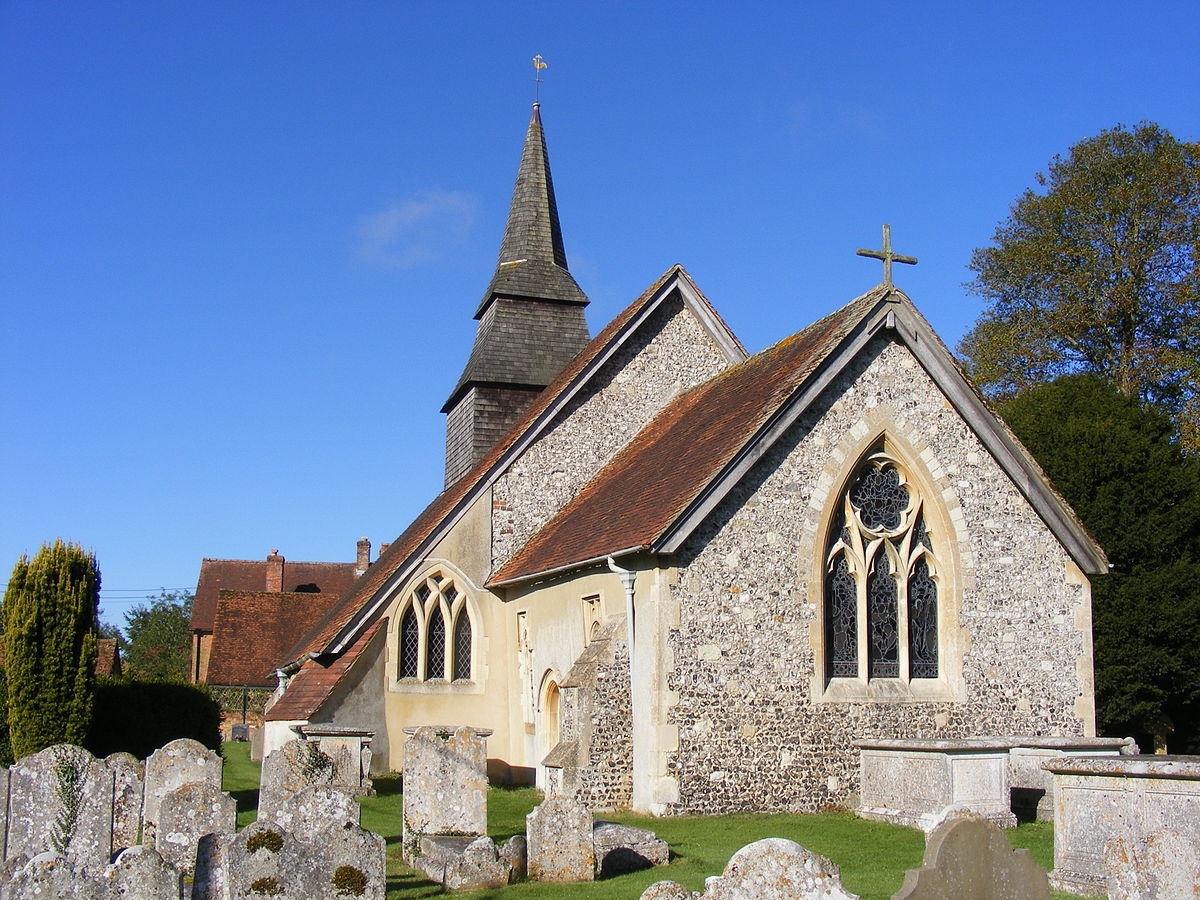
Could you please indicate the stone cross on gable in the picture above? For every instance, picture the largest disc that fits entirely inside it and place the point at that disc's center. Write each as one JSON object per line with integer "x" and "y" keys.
{"x": 887, "y": 255}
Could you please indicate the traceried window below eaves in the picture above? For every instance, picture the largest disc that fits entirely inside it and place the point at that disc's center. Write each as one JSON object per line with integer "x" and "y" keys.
{"x": 881, "y": 579}
{"x": 435, "y": 634}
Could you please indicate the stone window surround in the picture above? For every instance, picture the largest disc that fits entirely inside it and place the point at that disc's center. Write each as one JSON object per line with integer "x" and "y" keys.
{"x": 879, "y": 428}
{"x": 464, "y": 605}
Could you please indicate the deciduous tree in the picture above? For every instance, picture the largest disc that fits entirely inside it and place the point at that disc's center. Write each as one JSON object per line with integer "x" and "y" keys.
{"x": 50, "y": 612}
{"x": 159, "y": 639}
{"x": 1098, "y": 270}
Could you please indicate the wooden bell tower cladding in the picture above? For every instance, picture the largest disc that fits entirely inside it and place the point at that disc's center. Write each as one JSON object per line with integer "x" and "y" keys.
{"x": 531, "y": 321}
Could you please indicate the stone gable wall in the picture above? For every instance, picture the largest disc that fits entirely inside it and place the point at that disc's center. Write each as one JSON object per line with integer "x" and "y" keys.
{"x": 606, "y": 779}
{"x": 751, "y": 733}
{"x": 670, "y": 353}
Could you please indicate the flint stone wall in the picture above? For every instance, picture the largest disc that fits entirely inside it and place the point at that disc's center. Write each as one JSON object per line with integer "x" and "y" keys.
{"x": 670, "y": 353}
{"x": 1127, "y": 798}
{"x": 751, "y": 732}
{"x": 169, "y": 768}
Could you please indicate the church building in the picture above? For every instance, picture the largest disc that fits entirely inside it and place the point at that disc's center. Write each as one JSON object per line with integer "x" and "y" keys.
{"x": 669, "y": 575}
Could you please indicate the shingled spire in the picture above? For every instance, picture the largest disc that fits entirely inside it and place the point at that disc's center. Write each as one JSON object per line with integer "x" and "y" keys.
{"x": 531, "y": 320}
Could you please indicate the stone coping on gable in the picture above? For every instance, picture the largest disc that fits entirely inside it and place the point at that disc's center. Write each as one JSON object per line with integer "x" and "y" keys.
{"x": 1181, "y": 767}
{"x": 447, "y": 730}
{"x": 993, "y": 744}
{"x": 319, "y": 729}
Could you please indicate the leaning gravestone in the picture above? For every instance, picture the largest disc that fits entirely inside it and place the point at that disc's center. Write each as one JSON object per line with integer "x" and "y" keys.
{"x": 186, "y": 815}
{"x": 968, "y": 856}
{"x": 1162, "y": 864}
{"x": 294, "y": 766}
{"x": 129, "y": 782}
{"x": 169, "y": 768}
{"x": 445, "y": 784}
{"x": 774, "y": 868}
{"x": 559, "y": 834}
{"x": 61, "y": 800}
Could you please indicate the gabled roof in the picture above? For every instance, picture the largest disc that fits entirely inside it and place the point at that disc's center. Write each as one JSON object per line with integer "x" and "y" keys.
{"x": 658, "y": 489}
{"x": 217, "y": 575}
{"x": 254, "y": 630}
{"x": 312, "y": 685}
{"x": 364, "y": 599}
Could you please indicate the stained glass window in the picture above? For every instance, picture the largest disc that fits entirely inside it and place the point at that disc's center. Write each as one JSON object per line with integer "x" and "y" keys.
{"x": 409, "y": 639}
{"x": 880, "y": 498}
{"x": 882, "y": 621}
{"x": 922, "y": 623}
{"x": 462, "y": 646}
{"x": 435, "y": 653}
{"x": 841, "y": 612}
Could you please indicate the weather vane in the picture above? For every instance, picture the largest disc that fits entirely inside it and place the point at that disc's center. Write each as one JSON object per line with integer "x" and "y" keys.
{"x": 538, "y": 65}
{"x": 887, "y": 255}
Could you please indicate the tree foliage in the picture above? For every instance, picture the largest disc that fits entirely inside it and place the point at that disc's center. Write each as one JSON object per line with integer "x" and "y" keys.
{"x": 1099, "y": 272}
{"x": 158, "y": 637}
{"x": 50, "y": 613}
{"x": 138, "y": 717}
{"x": 1117, "y": 463}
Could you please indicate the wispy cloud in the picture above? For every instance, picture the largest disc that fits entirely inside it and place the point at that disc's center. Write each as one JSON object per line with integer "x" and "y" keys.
{"x": 417, "y": 231}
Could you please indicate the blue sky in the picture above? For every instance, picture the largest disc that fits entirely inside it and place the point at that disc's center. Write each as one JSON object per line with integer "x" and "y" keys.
{"x": 241, "y": 243}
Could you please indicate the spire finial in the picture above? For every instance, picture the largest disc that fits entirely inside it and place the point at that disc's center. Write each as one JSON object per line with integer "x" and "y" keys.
{"x": 888, "y": 256}
{"x": 538, "y": 65}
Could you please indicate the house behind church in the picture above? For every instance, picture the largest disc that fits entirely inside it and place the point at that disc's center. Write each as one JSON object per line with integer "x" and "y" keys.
{"x": 673, "y": 576}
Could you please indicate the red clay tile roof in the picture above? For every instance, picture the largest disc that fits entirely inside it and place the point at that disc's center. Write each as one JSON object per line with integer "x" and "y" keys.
{"x": 253, "y": 631}
{"x": 399, "y": 553}
{"x": 644, "y": 488}
{"x": 251, "y": 575}
{"x": 312, "y": 685}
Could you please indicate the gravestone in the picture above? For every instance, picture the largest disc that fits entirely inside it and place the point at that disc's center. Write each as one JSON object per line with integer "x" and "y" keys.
{"x": 61, "y": 800}
{"x": 138, "y": 873}
{"x": 294, "y": 766}
{"x": 445, "y": 783}
{"x": 774, "y": 868}
{"x": 623, "y": 848}
{"x": 186, "y": 815}
{"x": 967, "y": 856}
{"x": 315, "y": 808}
{"x": 667, "y": 890}
{"x": 559, "y": 834}
{"x": 129, "y": 782}
{"x": 1162, "y": 864}
{"x": 169, "y": 768}
{"x": 350, "y": 749}
{"x": 4, "y": 777}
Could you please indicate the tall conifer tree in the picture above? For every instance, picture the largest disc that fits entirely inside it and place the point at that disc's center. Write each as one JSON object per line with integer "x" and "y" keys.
{"x": 50, "y": 612}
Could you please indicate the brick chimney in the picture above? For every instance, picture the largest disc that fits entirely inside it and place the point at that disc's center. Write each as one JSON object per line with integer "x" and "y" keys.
{"x": 383, "y": 548}
{"x": 274, "y": 572}
{"x": 364, "y": 556}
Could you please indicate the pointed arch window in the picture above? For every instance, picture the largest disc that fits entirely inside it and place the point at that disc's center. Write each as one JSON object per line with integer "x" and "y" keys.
{"x": 881, "y": 578}
{"x": 435, "y": 634}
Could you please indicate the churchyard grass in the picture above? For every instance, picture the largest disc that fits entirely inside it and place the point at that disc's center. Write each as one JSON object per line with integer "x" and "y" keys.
{"x": 873, "y": 856}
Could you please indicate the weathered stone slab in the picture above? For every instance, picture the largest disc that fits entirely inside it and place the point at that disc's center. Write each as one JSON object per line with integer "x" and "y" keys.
{"x": 623, "y": 848}
{"x": 515, "y": 851}
{"x": 350, "y": 749}
{"x": 294, "y": 766}
{"x": 1124, "y": 797}
{"x": 774, "y": 868}
{"x": 186, "y": 815}
{"x": 968, "y": 856}
{"x": 61, "y": 800}
{"x": 169, "y": 768}
{"x": 138, "y": 873}
{"x": 1160, "y": 865}
{"x": 4, "y": 777}
{"x": 559, "y": 835}
{"x": 913, "y": 782}
{"x": 316, "y": 808}
{"x": 668, "y": 890}
{"x": 445, "y": 783}
{"x": 264, "y": 860}
{"x": 129, "y": 783}
{"x": 1031, "y": 786}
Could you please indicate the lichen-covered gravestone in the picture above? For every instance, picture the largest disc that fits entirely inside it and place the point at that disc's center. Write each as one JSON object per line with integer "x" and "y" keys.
{"x": 773, "y": 868}
{"x": 61, "y": 800}
{"x": 968, "y": 856}
{"x": 1162, "y": 864}
{"x": 129, "y": 782}
{"x": 294, "y": 766}
{"x": 445, "y": 784}
{"x": 623, "y": 848}
{"x": 169, "y": 768}
{"x": 316, "y": 808}
{"x": 559, "y": 835}
{"x": 186, "y": 815}
{"x": 138, "y": 873}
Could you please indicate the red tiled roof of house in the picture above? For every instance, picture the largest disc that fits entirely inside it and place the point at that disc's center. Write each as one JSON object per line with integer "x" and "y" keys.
{"x": 312, "y": 685}
{"x": 253, "y": 631}
{"x": 637, "y": 496}
{"x": 394, "y": 558}
{"x": 251, "y": 575}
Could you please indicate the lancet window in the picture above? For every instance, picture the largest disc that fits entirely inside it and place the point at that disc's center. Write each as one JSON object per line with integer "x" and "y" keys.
{"x": 435, "y": 632}
{"x": 881, "y": 578}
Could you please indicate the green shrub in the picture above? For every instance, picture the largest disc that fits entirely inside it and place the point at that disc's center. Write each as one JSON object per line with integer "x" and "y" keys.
{"x": 138, "y": 717}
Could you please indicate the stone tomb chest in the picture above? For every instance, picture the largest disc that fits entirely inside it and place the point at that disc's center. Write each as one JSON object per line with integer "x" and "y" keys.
{"x": 913, "y": 782}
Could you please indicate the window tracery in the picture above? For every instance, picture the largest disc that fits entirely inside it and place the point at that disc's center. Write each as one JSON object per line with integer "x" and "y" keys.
{"x": 435, "y": 634}
{"x": 881, "y": 579}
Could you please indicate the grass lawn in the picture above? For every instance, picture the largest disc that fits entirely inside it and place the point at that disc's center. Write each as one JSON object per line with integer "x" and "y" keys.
{"x": 873, "y": 856}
